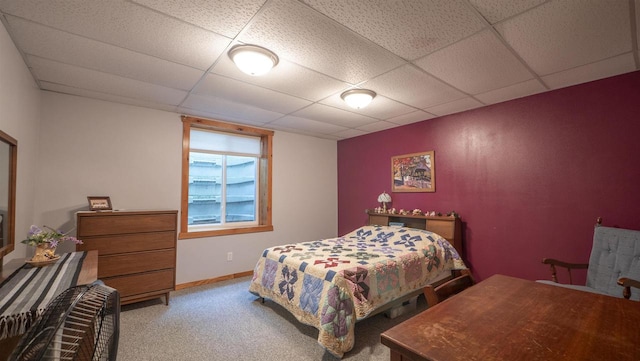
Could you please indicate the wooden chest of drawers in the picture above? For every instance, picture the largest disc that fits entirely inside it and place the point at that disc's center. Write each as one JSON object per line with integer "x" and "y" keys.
{"x": 136, "y": 250}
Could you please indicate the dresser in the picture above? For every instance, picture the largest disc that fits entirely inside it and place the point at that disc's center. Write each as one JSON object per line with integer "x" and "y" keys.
{"x": 136, "y": 250}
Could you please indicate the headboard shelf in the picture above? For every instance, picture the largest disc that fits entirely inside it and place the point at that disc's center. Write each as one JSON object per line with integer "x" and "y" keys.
{"x": 450, "y": 228}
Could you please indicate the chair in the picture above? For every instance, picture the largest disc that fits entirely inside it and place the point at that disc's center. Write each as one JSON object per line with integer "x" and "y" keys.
{"x": 615, "y": 254}
{"x": 627, "y": 283}
{"x": 435, "y": 295}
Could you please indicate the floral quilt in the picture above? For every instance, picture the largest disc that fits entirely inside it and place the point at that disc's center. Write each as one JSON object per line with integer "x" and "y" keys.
{"x": 333, "y": 283}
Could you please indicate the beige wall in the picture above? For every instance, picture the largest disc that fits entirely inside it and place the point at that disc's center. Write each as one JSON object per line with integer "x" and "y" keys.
{"x": 72, "y": 147}
{"x": 133, "y": 155}
{"x": 20, "y": 104}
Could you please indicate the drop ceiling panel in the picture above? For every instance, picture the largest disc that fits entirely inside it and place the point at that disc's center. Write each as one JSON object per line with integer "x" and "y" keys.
{"x": 564, "y": 34}
{"x": 594, "y": 71}
{"x": 237, "y": 91}
{"x": 413, "y": 87}
{"x": 128, "y": 25}
{"x": 381, "y": 108}
{"x": 286, "y": 77}
{"x": 377, "y": 126}
{"x": 456, "y": 106}
{"x": 412, "y": 117}
{"x": 514, "y": 91}
{"x": 229, "y": 110}
{"x": 334, "y": 116}
{"x": 220, "y": 117}
{"x": 497, "y": 10}
{"x": 307, "y": 125}
{"x": 225, "y": 17}
{"x": 476, "y": 64}
{"x": 424, "y": 26}
{"x": 297, "y": 33}
{"x": 67, "y": 48}
{"x": 105, "y": 97}
{"x": 77, "y": 77}
{"x": 349, "y": 133}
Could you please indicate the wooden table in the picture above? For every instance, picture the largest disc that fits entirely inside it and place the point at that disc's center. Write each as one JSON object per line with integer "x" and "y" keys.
{"x": 505, "y": 318}
{"x": 88, "y": 274}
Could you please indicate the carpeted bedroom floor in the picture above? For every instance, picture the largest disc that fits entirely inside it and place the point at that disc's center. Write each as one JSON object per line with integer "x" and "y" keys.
{"x": 223, "y": 321}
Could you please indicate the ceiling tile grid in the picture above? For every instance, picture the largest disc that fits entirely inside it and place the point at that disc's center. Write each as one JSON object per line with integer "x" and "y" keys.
{"x": 237, "y": 91}
{"x": 299, "y": 34}
{"x": 424, "y": 59}
{"x": 228, "y": 109}
{"x": 564, "y": 34}
{"x": 476, "y": 64}
{"x": 67, "y": 48}
{"x": 423, "y": 26}
{"x": 287, "y": 77}
{"x": 81, "y": 78}
{"x": 224, "y": 17}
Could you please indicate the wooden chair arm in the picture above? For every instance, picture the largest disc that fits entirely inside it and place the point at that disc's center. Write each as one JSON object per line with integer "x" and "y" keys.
{"x": 449, "y": 288}
{"x": 569, "y": 266}
{"x": 627, "y": 283}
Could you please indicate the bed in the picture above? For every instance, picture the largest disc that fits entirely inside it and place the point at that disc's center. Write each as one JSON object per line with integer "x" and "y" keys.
{"x": 331, "y": 284}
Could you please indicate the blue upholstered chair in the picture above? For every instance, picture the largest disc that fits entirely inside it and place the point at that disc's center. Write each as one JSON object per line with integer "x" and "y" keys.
{"x": 615, "y": 254}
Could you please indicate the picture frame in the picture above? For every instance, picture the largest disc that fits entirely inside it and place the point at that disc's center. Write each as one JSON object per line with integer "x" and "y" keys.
{"x": 413, "y": 172}
{"x": 99, "y": 203}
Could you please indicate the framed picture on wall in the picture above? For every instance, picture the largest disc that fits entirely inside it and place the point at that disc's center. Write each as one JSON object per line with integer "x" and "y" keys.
{"x": 413, "y": 172}
{"x": 99, "y": 203}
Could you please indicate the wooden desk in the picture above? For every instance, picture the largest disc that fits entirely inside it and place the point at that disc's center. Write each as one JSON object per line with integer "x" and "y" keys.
{"x": 505, "y": 318}
{"x": 88, "y": 273}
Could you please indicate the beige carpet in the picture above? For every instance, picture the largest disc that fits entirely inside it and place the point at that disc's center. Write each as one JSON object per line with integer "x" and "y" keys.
{"x": 223, "y": 321}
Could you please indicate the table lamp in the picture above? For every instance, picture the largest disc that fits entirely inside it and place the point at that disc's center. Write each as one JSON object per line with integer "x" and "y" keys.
{"x": 384, "y": 198}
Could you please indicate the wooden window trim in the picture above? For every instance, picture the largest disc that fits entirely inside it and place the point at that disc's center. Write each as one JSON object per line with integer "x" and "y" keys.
{"x": 265, "y": 168}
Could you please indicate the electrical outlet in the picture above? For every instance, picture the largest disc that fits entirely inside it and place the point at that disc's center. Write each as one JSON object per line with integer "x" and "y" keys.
{"x": 229, "y": 256}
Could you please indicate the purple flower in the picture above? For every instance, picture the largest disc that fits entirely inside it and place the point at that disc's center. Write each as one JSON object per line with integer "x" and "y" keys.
{"x": 53, "y": 237}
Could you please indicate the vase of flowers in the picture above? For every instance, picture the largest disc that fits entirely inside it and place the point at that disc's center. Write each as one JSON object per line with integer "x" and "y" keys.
{"x": 46, "y": 240}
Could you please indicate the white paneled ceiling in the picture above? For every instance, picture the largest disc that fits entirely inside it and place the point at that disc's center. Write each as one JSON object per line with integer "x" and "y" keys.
{"x": 424, "y": 59}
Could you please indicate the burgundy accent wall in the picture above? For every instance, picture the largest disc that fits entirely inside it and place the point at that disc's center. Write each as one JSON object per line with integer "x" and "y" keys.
{"x": 528, "y": 177}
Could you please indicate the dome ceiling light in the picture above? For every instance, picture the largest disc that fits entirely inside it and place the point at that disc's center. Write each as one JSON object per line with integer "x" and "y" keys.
{"x": 253, "y": 59}
{"x": 358, "y": 98}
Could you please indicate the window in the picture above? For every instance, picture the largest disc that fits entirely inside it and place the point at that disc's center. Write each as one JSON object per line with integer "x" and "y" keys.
{"x": 226, "y": 179}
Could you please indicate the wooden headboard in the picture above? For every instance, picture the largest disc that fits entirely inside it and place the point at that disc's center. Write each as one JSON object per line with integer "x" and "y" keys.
{"x": 450, "y": 228}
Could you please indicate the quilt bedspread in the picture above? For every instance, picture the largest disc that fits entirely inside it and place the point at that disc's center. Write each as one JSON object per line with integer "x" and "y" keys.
{"x": 332, "y": 283}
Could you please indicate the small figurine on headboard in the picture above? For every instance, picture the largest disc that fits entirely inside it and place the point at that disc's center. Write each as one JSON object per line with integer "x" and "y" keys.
{"x": 416, "y": 212}
{"x": 452, "y": 214}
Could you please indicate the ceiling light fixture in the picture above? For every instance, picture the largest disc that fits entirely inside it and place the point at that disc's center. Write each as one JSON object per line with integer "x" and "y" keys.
{"x": 252, "y": 59}
{"x": 358, "y": 98}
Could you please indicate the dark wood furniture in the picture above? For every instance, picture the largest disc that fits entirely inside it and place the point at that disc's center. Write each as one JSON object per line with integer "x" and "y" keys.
{"x": 506, "y": 318}
{"x": 137, "y": 251}
{"x": 88, "y": 274}
{"x": 627, "y": 283}
{"x": 552, "y": 262}
{"x": 435, "y": 294}
{"x": 450, "y": 228}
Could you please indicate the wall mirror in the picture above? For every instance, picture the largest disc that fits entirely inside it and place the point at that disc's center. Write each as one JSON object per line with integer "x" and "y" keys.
{"x": 8, "y": 160}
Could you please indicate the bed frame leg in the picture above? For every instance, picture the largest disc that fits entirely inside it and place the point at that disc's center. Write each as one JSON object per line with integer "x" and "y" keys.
{"x": 261, "y": 299}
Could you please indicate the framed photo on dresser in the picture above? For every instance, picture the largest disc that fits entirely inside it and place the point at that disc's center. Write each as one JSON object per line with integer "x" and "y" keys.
{"x": 99, "y": 203}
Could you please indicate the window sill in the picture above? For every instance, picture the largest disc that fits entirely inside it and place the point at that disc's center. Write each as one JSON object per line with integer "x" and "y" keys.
{"x": 225, "y": 232}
